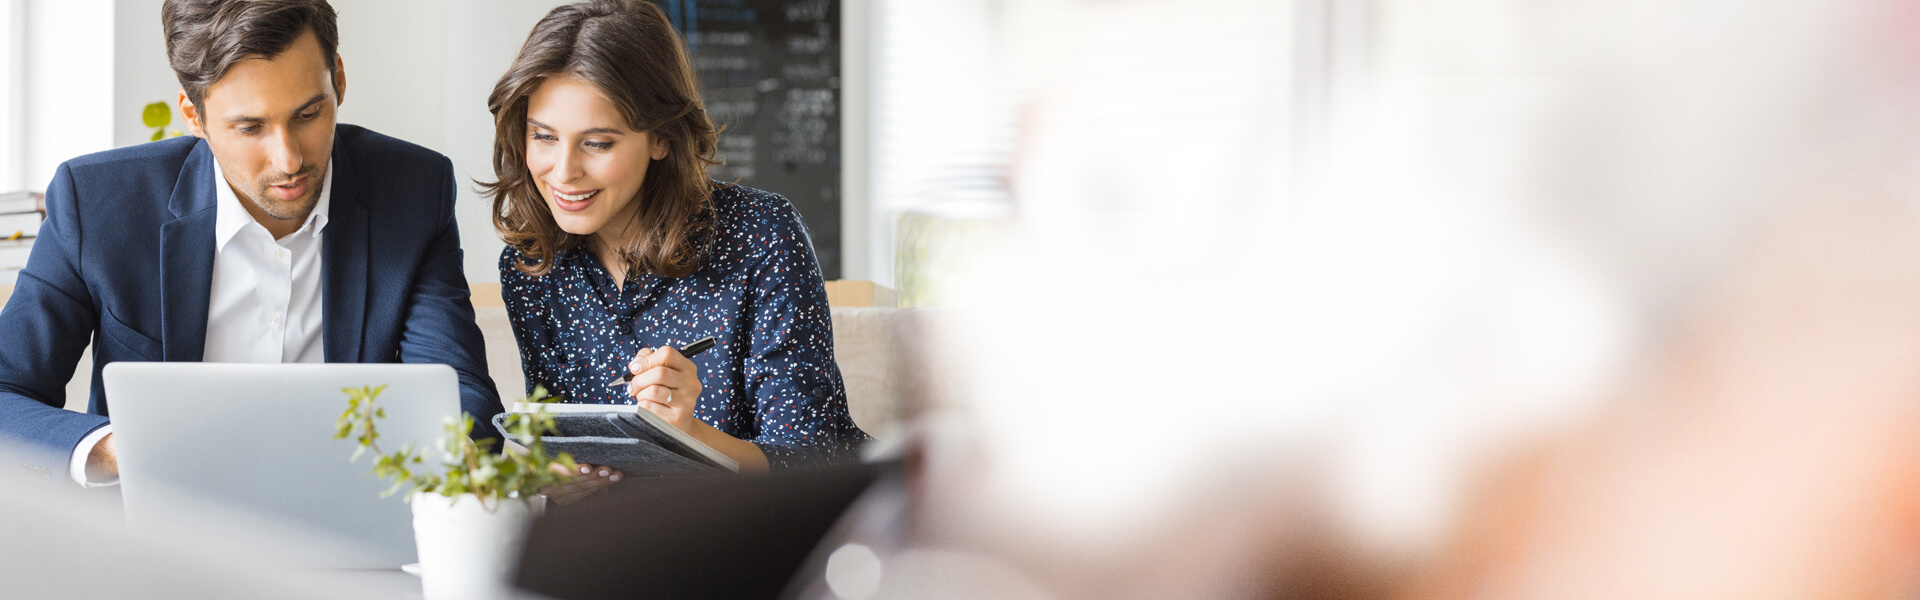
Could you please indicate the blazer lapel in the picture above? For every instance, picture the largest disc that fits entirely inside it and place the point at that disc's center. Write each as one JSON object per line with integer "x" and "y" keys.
{"x": 186, "y": 259}
{"x": 343, "y": 264}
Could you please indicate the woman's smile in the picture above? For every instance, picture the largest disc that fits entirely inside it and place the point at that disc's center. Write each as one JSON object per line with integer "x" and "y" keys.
{"x": 573, "y": 201}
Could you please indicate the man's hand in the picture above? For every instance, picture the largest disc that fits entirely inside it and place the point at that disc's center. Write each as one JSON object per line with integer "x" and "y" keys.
{"x": 102, "y": 463}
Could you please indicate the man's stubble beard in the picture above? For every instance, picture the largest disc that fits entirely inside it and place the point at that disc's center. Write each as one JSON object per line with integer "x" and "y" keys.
{"x": 296, "y": 209}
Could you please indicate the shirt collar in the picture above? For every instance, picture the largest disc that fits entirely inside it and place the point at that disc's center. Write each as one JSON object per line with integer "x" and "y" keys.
{"x": 230, "y": 217}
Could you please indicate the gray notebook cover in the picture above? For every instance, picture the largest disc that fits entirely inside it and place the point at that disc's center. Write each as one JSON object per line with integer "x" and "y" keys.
{"x": 621, "y": 441}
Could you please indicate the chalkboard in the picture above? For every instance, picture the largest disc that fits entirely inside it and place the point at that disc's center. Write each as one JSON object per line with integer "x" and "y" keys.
{"x": 770, "y": 74}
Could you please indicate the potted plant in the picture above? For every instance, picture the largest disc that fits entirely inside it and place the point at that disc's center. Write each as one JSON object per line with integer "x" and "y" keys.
{"x": 469, "y": 517}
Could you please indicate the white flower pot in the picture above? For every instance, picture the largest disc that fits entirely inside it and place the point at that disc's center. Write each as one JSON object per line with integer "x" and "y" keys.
{"x": 468, "y": 549}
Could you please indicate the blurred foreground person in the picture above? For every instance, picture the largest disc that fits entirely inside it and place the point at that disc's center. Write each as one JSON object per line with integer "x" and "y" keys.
{"x": 1767, "y": 451}
{"x": 64, "y": 543}
{"x": 1589, "y": 302}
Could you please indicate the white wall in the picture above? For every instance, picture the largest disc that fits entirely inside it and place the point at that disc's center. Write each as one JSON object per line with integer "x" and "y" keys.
{"x": 70, "y": 84}
{"x": 482, "y": 39}
{"x": 394, "y": 53}
{"x": 140, "y": 72}
{"x": 13, "y": 85}
{"x": 866, "y": 241}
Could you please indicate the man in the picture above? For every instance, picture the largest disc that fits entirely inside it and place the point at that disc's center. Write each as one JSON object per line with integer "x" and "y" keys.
{"x": 272, "y": 235}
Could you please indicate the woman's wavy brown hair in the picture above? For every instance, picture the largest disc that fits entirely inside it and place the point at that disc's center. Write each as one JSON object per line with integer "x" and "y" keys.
{"x": 629, "y": 51}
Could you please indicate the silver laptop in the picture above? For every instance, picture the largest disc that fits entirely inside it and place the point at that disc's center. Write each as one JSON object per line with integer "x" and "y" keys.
{"x": 252, "y": 445}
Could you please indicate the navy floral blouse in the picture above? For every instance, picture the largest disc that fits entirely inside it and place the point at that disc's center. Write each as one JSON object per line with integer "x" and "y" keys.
{"x": 771, "y": 378}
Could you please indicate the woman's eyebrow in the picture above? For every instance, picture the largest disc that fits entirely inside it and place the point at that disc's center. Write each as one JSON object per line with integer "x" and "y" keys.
{"x": 599, "y": 130}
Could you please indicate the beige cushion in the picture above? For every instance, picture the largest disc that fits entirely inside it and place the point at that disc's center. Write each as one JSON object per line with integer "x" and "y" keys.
{"x": 503, "y": 355}
{"x": 865, "y": 344}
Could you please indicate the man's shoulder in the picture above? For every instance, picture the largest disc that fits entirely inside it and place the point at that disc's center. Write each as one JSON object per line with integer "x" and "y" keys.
{"x": 165, "y": 155}
{"x": 381, "y": 151}
{"x": 405, "y": 184}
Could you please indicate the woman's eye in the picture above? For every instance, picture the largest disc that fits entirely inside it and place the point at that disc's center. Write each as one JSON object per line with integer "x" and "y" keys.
{"x": 543, "y": 137}
{"x": 600, "y": 145}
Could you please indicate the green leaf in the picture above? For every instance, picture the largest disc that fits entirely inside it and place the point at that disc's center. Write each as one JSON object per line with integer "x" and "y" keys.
{"x": 467, "y": 466}
{"x": 156, "y": 115}
{"x": 156, "y": 135}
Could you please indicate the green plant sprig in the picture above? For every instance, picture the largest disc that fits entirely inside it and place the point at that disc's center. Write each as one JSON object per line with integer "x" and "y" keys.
{"x": 469, "y": 467}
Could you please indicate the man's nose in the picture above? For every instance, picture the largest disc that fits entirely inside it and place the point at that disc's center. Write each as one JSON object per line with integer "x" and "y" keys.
{"x": 283, "y": 153}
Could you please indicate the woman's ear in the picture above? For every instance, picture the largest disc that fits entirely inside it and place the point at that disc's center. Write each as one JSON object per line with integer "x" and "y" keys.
{"x": 195, "y": 122}
{"x": 659, "y": 146}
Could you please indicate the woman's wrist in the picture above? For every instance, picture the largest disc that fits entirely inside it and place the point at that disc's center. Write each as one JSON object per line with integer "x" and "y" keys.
{"x": 752, "y": 459}
{"x": 704, "y": 432}
{"x": 710, "y": 435}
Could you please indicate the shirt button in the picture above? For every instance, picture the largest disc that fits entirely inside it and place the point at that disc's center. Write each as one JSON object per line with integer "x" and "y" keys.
{"x": 274, "y": 320}
{"x": 279, "y": 253}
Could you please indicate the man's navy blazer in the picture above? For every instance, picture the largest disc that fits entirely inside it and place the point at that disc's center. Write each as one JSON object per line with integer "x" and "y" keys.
{"x": 125, "y": 258}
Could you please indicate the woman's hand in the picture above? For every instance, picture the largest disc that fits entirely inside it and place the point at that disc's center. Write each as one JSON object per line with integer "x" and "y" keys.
{"x": 667, "y": 384}
{"x": 586, "y": 482}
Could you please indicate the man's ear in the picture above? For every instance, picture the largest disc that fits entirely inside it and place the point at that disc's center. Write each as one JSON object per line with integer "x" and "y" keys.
{"x": 339, "y": 81}
{"x": 196, "y": 123}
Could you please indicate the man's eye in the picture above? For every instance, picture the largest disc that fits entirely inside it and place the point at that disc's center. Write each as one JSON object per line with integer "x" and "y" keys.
{"x": 310, "y": 116}
{"x": 249, "y": 129}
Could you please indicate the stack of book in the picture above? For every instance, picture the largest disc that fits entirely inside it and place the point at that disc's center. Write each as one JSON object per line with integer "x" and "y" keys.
{"x": 20, "y": 217}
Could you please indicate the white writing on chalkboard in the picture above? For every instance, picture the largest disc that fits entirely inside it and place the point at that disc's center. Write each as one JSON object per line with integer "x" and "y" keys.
{"x": 808, "y": 44}
{"x": 807, "y": 11}
{"x": 804, "y": 114}
{"x": 728, "y": 63}
{"x": 719, "y": 38}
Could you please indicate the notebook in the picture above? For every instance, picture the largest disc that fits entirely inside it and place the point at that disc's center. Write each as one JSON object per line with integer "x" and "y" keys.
{"x": 637, "y": 442}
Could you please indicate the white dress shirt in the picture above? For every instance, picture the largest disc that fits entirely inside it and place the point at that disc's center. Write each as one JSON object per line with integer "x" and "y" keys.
{"x": 265, "y": 302}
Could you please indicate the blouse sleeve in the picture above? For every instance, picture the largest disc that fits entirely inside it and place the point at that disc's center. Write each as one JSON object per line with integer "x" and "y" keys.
{"x": 790, "y": 372}
{"x": 527, "y": 313}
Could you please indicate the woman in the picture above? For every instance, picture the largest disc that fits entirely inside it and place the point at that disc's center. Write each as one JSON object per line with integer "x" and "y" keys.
{"x": 619, "y": 248}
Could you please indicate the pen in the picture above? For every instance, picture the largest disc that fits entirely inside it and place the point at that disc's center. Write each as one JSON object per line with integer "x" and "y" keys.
{"x": 689, "y": 351}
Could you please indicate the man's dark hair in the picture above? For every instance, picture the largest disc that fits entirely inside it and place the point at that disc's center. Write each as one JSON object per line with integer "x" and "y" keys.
{"x": 205, "y": 38}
